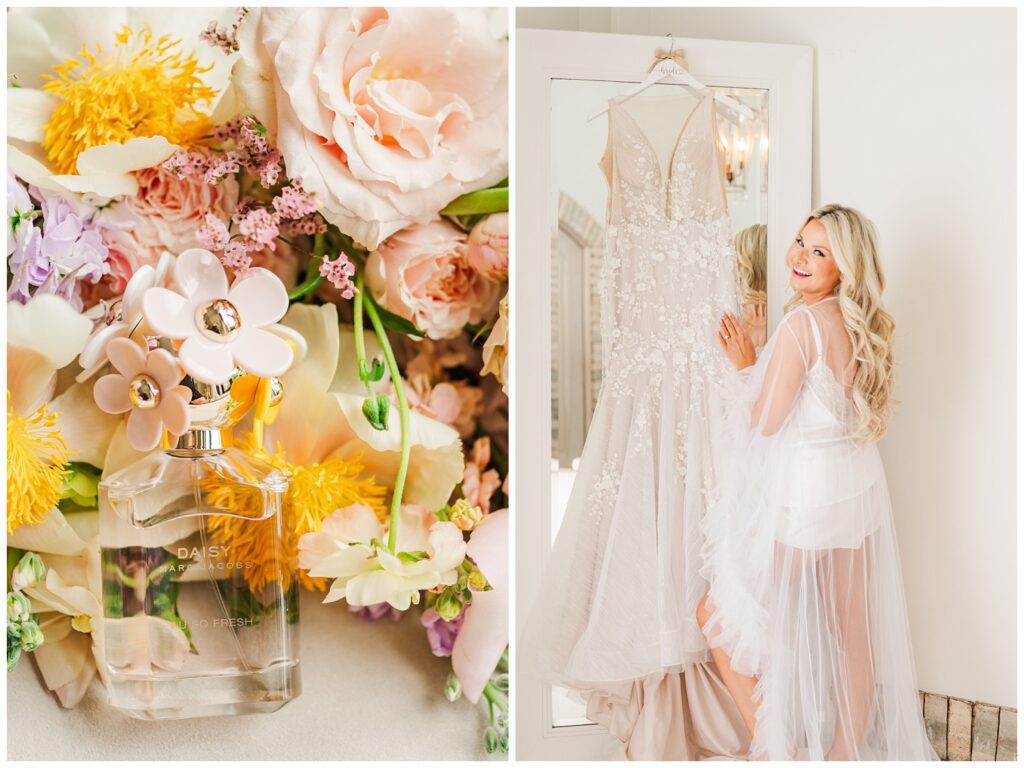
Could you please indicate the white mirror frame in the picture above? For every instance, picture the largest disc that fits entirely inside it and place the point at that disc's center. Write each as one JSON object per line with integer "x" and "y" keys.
{"x": 542, "y": 56}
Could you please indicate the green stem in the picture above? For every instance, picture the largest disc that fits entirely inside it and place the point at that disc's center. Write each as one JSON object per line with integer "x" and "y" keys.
{"x": 495, "y": 697}
{"x": 357, "y": 322}
{"x": 313, "y": 276}
{"x": 403, "y": 410}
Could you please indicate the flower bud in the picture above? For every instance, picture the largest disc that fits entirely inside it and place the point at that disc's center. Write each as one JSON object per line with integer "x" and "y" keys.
{"x": 464, "y": 515}
{"x": 448, "y": 605}
{"x": 29, "y": 571}
{"x": 452, "y": 688}
{"x": 18, "y": 608}
{"x": 491, "y": 740}
{"x": 31, "y": 636}
{"x": 477, "y": 581}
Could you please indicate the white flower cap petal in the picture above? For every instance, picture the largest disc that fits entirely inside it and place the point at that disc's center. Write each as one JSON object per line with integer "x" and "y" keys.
{"x": 200, "y": 276}
{"x": 168, "y": 313}
{"x": 210, "y": 363}
{"x": 260, "y": 297}
{"x": 261, "y": 352}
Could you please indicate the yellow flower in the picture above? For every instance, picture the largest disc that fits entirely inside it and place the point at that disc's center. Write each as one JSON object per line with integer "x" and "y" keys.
{"x": 145, "y": 87}
{"x": 36, "y": 458}
{"x": 316, "y": 491}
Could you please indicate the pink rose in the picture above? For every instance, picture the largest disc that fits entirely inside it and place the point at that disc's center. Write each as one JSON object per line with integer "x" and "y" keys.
{"x": 423, "y": 274}
{"x": 386, "y": 115}
{"x": 488, "y": 247}
{"x": 172, "y": 209}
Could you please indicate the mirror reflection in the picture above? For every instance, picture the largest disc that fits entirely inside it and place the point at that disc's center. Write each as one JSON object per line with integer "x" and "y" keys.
{"x": 581, "y": 202}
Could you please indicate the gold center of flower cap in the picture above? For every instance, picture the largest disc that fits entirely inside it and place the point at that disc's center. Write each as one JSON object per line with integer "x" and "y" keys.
{"x": 219, "y": 320}
{"x": 144, "y": 392}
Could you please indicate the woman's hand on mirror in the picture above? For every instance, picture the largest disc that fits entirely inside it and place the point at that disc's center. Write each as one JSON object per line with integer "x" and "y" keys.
{"x": 735, "y": 342}
{"x": 755, "y": 323}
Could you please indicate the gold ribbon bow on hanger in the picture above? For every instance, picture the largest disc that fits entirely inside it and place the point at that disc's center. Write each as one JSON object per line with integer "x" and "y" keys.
{"x": 676, "y": 55}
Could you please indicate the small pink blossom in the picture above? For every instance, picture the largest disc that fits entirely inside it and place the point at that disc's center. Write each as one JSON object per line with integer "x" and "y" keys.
{"x": 258, "y": 227}
{"x": 478, "y": 482}
{"x": 213, "y": 234}
{"x": 339, "y": 274}
{"x": 293, "y": 203}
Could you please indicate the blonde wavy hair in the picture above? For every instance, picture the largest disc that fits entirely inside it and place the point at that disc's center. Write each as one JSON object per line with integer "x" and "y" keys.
{"x": 751, "y": 254}
{"x": 854, "y": 242}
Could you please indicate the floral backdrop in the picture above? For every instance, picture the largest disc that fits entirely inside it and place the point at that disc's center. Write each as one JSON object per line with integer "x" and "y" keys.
{"x": 357, "y": 156}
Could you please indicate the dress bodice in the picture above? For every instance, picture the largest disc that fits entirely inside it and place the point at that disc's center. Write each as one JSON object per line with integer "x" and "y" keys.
{"x": 669, "y": 265}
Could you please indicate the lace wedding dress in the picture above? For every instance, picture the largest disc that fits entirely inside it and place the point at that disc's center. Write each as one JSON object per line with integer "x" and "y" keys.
{"x": 616, "y": 619}
{"x": 801, "y": 555}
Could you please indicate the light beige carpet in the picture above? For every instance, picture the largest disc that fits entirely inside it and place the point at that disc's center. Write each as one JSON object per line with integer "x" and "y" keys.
{"x": 371, "y": 691}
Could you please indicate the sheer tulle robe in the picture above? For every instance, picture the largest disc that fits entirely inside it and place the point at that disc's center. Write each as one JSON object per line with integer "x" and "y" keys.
{"x": 806, "y": 592}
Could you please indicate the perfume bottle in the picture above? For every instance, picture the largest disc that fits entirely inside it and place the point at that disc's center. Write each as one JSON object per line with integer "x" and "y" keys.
{"x": 200, "y": 605}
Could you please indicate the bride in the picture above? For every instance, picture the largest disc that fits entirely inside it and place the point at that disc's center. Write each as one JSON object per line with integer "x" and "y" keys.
{"x": 805, "y": 613}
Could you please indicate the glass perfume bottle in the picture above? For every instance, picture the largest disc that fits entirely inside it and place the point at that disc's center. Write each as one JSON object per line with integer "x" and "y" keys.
{"x": 200, "y": 606}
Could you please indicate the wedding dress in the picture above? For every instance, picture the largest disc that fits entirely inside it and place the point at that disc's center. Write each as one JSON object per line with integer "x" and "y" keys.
{"x": 616, "y": 619}
{"x": 801, "y": 555}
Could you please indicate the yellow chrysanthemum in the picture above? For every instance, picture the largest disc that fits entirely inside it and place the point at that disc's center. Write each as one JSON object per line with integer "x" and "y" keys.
{"x": 146, "y": 87}
{"x": 315, "y": 492}
{"x": 36, "y": 460}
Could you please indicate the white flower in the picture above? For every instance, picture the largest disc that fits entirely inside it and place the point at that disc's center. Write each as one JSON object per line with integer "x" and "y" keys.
{"x": 349, "y": 548}
{"x": 48, "y": 37}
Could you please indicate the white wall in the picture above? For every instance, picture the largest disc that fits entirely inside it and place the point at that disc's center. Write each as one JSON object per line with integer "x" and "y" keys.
{"x": 914, "y": 124}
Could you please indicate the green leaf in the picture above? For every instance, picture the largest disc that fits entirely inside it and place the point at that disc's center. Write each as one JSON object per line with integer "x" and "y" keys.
{"x": 393, "y": 321}
{"x": 375, "y": 373}
{"x": 492, "y": 200}
{"x": 412, "y": 557}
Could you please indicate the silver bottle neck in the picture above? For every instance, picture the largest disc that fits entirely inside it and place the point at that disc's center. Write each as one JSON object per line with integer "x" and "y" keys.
{"x": 197, "y": 442}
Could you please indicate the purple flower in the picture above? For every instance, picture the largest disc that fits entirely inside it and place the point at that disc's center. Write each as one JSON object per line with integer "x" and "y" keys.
{"x": 440, "y": 633}
{"x": 375, "y": 611}
{"x": 70, "y": 242}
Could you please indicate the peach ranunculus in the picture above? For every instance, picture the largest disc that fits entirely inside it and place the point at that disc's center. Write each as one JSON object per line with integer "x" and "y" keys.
{"x": 386, "y": 115}
{"x": 172, "y": 209}
{"x": 488, "y": 247}
{"x": 423, "y": 274}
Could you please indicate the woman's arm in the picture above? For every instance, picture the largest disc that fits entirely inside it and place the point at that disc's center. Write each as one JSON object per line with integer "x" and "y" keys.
{"x": 784, "y": 375}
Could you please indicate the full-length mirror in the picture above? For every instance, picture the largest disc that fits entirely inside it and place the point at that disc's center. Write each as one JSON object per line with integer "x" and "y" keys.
{"x": 658, "y": 119}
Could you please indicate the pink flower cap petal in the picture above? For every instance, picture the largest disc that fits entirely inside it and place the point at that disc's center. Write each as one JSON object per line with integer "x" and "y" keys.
{"x": 209, "y": 363}
{"x": 127, "y": 357}
{"x": 261, "y": 352}
{"x": 200, "y": 276}
{"x": 260, "y": 298}
{"x": 111, "y": 393}
{"x": 144, "y": 429}
{"x": 161, "y": 365}
{"x": 173, "y": 410}
{"x": 168, "y": 313}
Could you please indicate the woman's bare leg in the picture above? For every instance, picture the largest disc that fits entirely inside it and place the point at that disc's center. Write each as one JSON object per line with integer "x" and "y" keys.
{"x": 741, "y": 687}
{"x": 849, "y": 601}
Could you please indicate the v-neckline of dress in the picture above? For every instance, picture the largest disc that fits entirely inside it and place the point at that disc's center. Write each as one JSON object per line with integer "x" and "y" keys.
{"x": 664, "y": 172}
